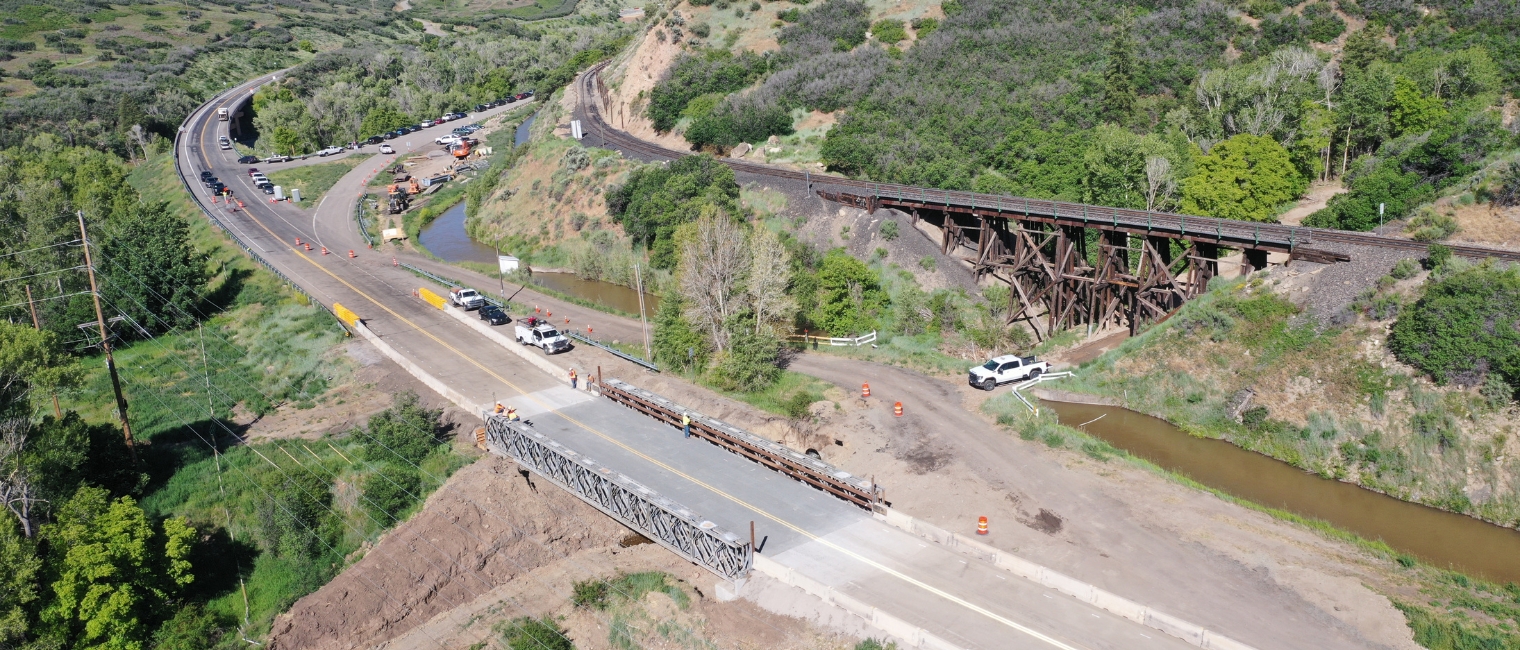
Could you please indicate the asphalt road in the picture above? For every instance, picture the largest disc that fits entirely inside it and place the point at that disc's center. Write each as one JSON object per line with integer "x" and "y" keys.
{"x": 971, "y": 604}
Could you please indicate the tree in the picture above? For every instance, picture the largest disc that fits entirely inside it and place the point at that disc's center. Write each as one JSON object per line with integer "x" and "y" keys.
{"x": 1412, "y": 111}
{"x": 389, "y": 491}
{"x": 850, "y": 296}
{"x": 1119, "y": 77}
{"x": 750, "y": 362}
{"x": 676, "y": 344}
{"x": 110, "y": 577}
{"x": 17, "y": 583}
{"x": 769, "y": 273}
{"x": 1114, "y": 167}
{"x": 152, "y": 271}
{"x": 1159, "y": 183}
{"x": 29, "y": 361}
{"x": 1245, "y": 178}
{"x": 192, "y": 628}
{"x": 405, "y": 433}
{"x": 658, "y": 199}
{"x": 292, "y": 514}
{"x": 382, "y": 119}
{"x": 713, "y": 267}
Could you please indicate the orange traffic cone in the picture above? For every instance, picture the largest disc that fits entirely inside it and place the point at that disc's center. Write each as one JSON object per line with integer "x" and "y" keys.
{"x": 981, "y": 525}
{"x": 240, "y": 204}
{"x": 865, "y": 390}
{"x": 897, "y": 409}
{"x": 394, "y": 262}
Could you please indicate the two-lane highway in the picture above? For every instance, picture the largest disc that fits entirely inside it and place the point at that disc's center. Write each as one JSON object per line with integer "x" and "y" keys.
{"x": 972, "y": 605}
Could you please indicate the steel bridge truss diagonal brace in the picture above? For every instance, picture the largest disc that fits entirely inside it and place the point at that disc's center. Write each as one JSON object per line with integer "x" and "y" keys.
{"x": 666, "y": 522}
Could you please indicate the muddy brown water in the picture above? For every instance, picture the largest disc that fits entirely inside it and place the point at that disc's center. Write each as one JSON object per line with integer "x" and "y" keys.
{"x": 446, "y": 238}
{"x": 1437, "y": 537}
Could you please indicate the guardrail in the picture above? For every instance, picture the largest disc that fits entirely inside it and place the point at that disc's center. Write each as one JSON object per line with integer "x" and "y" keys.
{"x": 834, "y": 341}
{"x": 363, "y": 223}
{"x": 196, "y": 199}
{"x": 666, "y": 522}
{"x": 773, "y": 455}
{"x": 589, "y": 341}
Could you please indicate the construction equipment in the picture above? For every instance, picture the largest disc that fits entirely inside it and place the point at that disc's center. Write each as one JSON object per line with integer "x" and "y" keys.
{"x": 462, "y": 150}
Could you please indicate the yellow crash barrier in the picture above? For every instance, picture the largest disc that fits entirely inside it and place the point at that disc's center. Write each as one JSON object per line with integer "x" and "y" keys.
{"x": 432, "y": 298}
{"x": 344, "y": 314}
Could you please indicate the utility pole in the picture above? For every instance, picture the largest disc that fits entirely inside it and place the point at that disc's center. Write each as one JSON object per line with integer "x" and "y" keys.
{"x": 501, "y": 277}
{"x": 639, "y": 280}
{"x": 105, "y": 343}
{"x": 37, "y": 325}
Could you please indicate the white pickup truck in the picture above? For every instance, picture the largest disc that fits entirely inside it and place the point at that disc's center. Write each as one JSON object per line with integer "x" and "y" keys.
{"x": 466, "y": 299}
{"x": 1005, "y": 369}
{"x": 537, "y": 333}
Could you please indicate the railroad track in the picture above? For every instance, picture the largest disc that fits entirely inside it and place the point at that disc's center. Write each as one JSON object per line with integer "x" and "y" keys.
{"x": 1267, "y": 235}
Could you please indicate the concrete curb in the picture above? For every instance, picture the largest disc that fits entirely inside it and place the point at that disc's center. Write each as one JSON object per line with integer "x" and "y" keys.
{"x": 531, "y": 355}
{"x": 422, "y": 375}
{"x": 906, "y": 633}
{"x": 1104, "y": 600}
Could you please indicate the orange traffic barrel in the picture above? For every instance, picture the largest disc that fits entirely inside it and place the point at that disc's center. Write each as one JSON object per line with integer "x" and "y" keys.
{"x": 351, "y": 254}
{"x": 897, "y": 409}
{"x": 865, "y": 390}
{"x": 981, "y": 525}
{"x": 324, "y": 250}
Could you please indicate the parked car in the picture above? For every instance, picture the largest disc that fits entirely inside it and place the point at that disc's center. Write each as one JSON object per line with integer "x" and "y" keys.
{"x": 480, "y": 107}
{"x": 206, "y": 174}
{"x": 466, "y": 299}
{"x": 385, "y": 148}
{"x": 248, "y": 159}
{"x": 253, "y": 170}
{"x": 542, "y": 335}
{"x": 267, "y": 188}
{"x": 1005, "y": 369}
{"x": 259, "y": 178}
{"x": 506, "y": 100}
{"x": 494, "y": 315}
{"x": 330, "y": 151}
{"x": 277, "y": 158}
{"x": 209, "y": 181}
{"x": 216, "y": 187}
{"x": 447, "y": 139}
{"x": 375, "y": 139}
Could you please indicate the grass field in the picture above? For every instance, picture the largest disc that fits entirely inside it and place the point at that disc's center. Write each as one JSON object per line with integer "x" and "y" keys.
{"x": 315, "y": 180}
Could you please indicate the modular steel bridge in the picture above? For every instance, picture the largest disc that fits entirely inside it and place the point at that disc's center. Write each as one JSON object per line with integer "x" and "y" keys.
{"x": 1065, "y": 264}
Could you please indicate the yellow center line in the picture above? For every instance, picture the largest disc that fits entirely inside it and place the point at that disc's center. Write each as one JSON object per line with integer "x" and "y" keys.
{"x": 877, "y": 565}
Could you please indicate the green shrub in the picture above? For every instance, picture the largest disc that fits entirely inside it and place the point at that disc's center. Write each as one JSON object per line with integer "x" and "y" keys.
{"x": 923, "y": 27}
{"x": 1463, "y": 327}
{"x": 873, "y": 644}
{"x": 1254, "y": 417}
{"x": 389, "y": 491}
{"x": 533, "y": 634}
{"x": 1404, "y": 269}
{"x": 405, "y": 433}
{"x": 590, "y": 593}
{"x": 749, "y": 364}
{"x": 888, "y": 230}
{"x": 889, "y": 31}
{"x": 797, "y": 405}
{"x": 1429, "y": 225}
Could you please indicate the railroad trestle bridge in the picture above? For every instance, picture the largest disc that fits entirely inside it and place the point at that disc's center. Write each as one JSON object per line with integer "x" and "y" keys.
{"x": 1069, "y": 264}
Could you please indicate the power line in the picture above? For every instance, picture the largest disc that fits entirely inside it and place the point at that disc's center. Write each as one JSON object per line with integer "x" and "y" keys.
{"x": 440, "y": 480}
{"x": 29, "y": 250}
{"x": 34, "y": 275}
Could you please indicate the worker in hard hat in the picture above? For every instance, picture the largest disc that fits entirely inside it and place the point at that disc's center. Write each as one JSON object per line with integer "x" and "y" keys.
{"x": 512, "y": 414}
{"x": 499, "y": 409}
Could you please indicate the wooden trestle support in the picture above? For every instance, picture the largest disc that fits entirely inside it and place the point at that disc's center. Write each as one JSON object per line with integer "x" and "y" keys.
{"x": 1058, "y": 281}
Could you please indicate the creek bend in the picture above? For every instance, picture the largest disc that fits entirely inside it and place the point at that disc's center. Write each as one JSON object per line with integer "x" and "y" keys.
{"x": 445, "y": 237}
{"x": 1437, "y": 537}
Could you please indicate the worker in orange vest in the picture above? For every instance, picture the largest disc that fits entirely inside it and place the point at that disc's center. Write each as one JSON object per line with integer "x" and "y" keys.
{"x": 512, "y": 414}
{"x": 572, "y": 378}
{"x": 499, "y": 408}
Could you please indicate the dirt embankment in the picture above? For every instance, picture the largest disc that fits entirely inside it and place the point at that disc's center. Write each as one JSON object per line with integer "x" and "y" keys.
{"x": 494, "y": 545}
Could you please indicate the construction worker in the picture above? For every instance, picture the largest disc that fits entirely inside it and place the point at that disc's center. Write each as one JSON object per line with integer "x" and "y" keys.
{"x": 686, "y": 424}
{"x": 499, "y": 408}
{"x": 572, "y": 378}
{"x": 512, "y": 414}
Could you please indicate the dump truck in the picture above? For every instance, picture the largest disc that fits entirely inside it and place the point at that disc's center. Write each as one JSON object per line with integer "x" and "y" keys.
{"x": 1005, "y": 369}
{"x": 540, "y": 334}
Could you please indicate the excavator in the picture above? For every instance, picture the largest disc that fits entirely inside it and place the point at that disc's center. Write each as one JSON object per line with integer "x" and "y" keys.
{"x": 462, "y": 150}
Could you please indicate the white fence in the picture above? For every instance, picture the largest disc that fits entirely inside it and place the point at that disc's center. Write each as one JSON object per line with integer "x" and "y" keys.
{"x": 806, "y": 339}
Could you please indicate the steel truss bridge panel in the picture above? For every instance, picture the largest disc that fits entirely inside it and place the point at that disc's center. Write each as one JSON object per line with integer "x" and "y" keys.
{"x": 773, "y": 455}
{"x": 666, "y": 522}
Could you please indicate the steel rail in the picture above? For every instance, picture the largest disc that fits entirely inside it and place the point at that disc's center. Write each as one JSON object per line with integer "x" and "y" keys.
{"x": 1205, "y": 229}
{"x": 666, "y": 522}
{"x": 770, "y": 454}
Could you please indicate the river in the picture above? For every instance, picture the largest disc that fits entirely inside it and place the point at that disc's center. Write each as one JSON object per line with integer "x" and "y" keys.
{"x": 1437, "y": 537}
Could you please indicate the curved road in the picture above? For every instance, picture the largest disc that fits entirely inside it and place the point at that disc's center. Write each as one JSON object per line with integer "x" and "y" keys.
{"x": 840, "y": 546}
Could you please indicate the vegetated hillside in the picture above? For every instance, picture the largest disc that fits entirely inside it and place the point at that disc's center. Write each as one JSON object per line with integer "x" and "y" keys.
{"x": 1411, "y": 393}
{"x": 1189, "y": 106}
{"x": 92, "y": 71}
